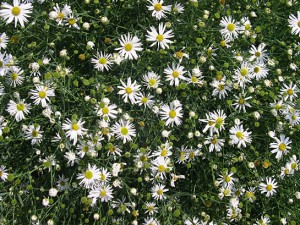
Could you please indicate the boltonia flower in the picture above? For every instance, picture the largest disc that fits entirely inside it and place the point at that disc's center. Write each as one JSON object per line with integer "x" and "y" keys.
{"x": 89, "y": 177}
{"x": 289, "y": 91}
{"x": 14, "y": 76}
{"x": 41, "y": 95}
{"x": 3, "y": 40}
{"x": 259, "y": 54}
{"x": 269, "y": 187}
{"x": 34, "y": 134}
{"x": 74, "y": 129}
{"x": 158, "y": 192}
{"x": 102, "y": 61}
{"x": 103, "y": 192}
{"x": 107, "y": 111}
{"x": 18, "y": 109}
{"x": 160, "y": 37}
{"x": 174, "y": 74}
{"x": 230, "y": 29}
{"x": 18, "y": 11}
{"x": 129, "y": 91}
{"x": 239, "y": 136}
{"x": 60, "y": 14}
{"x": 158, "y": 9}
{"x": 151, "y": 80}
{"x": 3, "y": 173}
{"x": 171, "y": 114}
{"x": 294, "y": 23}
{"x": 281, "y": 146}
{"x": 129, "y": 46}
{"x": 124, "y": 130}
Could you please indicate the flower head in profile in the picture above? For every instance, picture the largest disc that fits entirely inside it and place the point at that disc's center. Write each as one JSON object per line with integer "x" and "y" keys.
{"x": 18, "y": 12}
{"x": 130, "y": 45}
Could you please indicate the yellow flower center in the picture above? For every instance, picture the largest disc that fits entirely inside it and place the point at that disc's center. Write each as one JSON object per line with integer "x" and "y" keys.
{"x": 128, "y": 90}
{"x": 14, "y": 76}
{"x": 298, "y": 23}
{"x": 152, "y": 82}
{"x": 72, "y": 21}
{"x": 290, "y": 92}
{"x": 1, "y": 64}
{"x": 194, "y": 79}
{"x": 144, "y": 100}
{"x": 164, "y": 152}
{"x": 223, "y": 43}
{"x": 128, "y": 47}
{"x": 244, "y": 71}
{"x": 219, "y": 122}
{"x": 103, "y": 193}
{"x": 158, "y": 7}
{"x": 179, "y": 55}
{"x": 143, "y": 158}
{"x": 172, "y": 114}
{"x": 247, "y": 26}
{"x": 105, "y": 110}
{"x": 60, "y": 16}
{"x": 241, "y": 101}
{"x": 42, "y": 94}
{"x": 124, "y": 131}
{"x": 249, "y": 194}
{"x": 226, "y": 192}
{"x": 159, "y": 192}
{"x": 112, "y": 149}
{"x": 257, "y": 54}
{"x": 294, "y": 165}
{"x": 88, "y": 174}
{"x": 175, "y": 74}
{"x": 20, "y": 107}
{"x": 0, "y": 40}
{"x": 231, "y": 27}
{"x": 75, "y": 126}
{"x": 282, "y": 147}
{"x": 269, "y": 187}
{"x": 256, "y": 69}
{"x": 1, "y": 173}
{"x": 102, "y": 177}
{"x": 85, "y": 148}
{"x": 239, "y": 135}
{"x": 34, "y": 133}
{"x": 221, "y": 87}
{"x": 161, "y": 168}
{"x": 16, "y": 10}
{"x": 102, "y": 61}
{"x": 160, "y": 37}
{"x": 227, "y": 179}
{"x": 214, "y": 141}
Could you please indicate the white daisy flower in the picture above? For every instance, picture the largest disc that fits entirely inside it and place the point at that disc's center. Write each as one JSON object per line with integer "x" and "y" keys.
{"x": 145, "y": 100}
{"x": 102, "y": 61}
{"x": 239, "y": 136}
{"x": 158, "y": 192}
{"x": 5, "y": 60}
{"x": 151, "y": 221}
{"x": 268, "y": 187}
{"x": 59, "y": 15}
{"x": 74, "y": 129}
{"x": 227, "y": 180}
{"x": 259, "y": 71}
{"x": 159, "y": 166}
{"x": 104, "y": 176}
{"x": 214, "y": 143}
{"x": 14, "y": 76}
{"x": 294, "y": 23}
{"x": 71, "y": 157}
{"x": 230, "y": 29}
{"x": 215, "y": 121}
{"x": 62, "y": 183}
{"x": 263, "y": 221}
{"x": 281, "y": 146}
{"x": 151, "y": 208}
{"x": 241, "y": 102}
{"x": 71, "y": 21}
{"x": 259, "y": 54}
{"x": 289, "y": 91}
{"x": 34, "y": 134}
{"x": 158, "y": 9}
{"x": 107, "y": 111}
{"x": 129, "y": 91}
{"x": 104, "y": 192}
{"x": 245, "y": 26}
{"x": 18, "y": 109}
{"x": 18, "y": 11}
{"x": 243, "y": 75}
{"x": 174, "y": 74}
{"x": 89, "y": 177}
{"x": 178, "y": 8}
{"x": 160, "y": 37}
{"x": 171, "y": 114}
{"x": 124, "y": 130}
{"x": 220, "y": 88}
{"x": 3, "y": 40}
{"x": 151, "y": 80}
{"x": 85, "y": 148}
{"x": 3, "y": 173}
{"x": 129, "y": 46}
{"x": 41, "y": 95}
